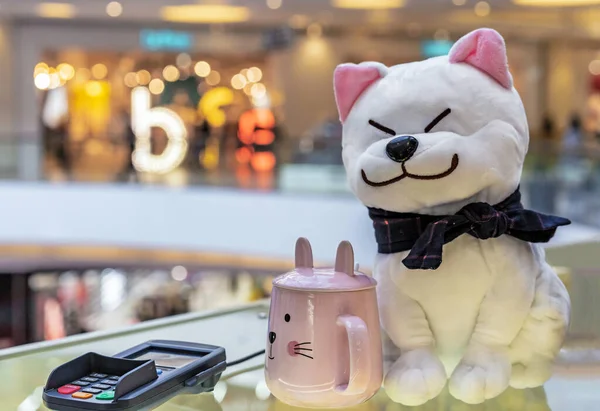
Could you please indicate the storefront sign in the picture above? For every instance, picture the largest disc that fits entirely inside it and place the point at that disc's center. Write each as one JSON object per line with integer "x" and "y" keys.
{"x": 143, "y": 119}
{"x": 256, "y": 132}
{"x": 166, "y": 40}
{"x": 435, "y": 48}
{"x": 211, "y": 105}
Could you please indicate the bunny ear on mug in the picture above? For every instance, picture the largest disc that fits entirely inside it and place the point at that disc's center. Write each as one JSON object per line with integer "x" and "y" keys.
{"x": 344, "y": 259}
{"x": 304, "y": 256}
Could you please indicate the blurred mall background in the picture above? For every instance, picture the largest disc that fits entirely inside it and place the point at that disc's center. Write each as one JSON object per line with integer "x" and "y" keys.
{"x": 244, "y": 152}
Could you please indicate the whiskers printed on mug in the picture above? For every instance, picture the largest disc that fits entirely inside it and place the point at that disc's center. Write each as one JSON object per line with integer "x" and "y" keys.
{"x": 303, "y": 349}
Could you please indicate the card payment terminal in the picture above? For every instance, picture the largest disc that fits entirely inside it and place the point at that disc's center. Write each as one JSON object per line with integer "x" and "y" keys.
{"x": 134, "y": 379}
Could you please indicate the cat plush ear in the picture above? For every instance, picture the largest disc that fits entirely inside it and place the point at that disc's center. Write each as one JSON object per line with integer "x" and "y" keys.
{"x": 485, "y": 50}
{"x": 351, "y": 80}
{"x": 344, "y": 259}
{"x": 304, "y": 256}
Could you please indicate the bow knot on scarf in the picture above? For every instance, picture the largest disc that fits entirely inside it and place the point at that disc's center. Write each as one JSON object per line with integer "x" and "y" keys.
{"x": 486, "y": 222}
{"x": 425, "y": 235}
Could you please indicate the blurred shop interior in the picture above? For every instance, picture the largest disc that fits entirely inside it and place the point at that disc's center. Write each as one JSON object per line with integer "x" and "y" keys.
{"x": 58, "y": 302}
{"x": 241, "y": 98}
{"x": 251, "y": 90}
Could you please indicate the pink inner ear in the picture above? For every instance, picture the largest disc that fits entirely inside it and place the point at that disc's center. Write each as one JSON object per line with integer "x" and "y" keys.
{"x": 484, "y": 49}
{"x": 349, "y": 82}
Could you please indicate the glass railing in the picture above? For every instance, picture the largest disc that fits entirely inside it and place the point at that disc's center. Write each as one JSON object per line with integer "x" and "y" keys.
{"x": 55, "y": 303}
{"x": 555, "y": 180}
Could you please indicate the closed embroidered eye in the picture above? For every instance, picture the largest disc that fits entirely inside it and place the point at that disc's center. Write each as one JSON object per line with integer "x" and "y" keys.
{"x": 382, "y": 128}
{"x": 437, "y": 120}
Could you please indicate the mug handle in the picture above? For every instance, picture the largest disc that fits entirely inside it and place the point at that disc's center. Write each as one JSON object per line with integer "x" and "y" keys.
{"x": 360, "y": 354}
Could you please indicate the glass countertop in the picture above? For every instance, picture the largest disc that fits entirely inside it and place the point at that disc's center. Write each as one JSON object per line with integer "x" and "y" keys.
{"x": 574, "y": 386}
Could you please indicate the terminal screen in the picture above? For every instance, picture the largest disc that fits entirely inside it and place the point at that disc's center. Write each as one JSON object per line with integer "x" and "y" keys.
{"x": 167, "y": 359}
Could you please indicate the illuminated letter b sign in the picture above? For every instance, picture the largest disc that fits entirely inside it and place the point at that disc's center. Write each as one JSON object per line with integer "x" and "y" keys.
{"x": 143, "y": 118}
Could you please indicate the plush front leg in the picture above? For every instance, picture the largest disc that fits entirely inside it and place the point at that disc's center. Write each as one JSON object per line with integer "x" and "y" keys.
{"x": 485, "y": 369}
{"x": 418, "y": 375}
{"x": 415, "y": 378}
{"x": 483, "y": 373}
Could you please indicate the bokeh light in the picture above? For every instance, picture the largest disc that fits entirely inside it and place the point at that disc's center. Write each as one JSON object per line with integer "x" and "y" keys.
{"x": 99, "y": 71}
{"x": 42, "y": 81}
{"x": 183, "y": 60}
{"x": 213, "y": 78}
{"x": 55, "y": 79}
{"x": 130, "y": 80}
{"x": 238, "y": 82}
{"x": 202, "y": 69}
{"x": 179, "y": 273}
{"x": 114, "y": 9}
{"x": 254, "y": 74}
{"x": 143, "y": 77}
{"x": 65, "y": 71}
{"x": 170, "y": 73}
{"x": 594, "y": 67}
{"x": 273, "y": 4}
{"x": 258, "y": 90}
{"x": 482, "y": 9}
{"x": 55, "y": 10}
{"x": 156, "y": 86}
{"x": 248, "y": 89}
{"x": 40, "y": 68}
{"x": 261, "y": 102}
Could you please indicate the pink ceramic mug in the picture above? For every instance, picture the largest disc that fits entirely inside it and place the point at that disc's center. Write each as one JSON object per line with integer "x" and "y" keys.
{"x": 324, "y": 342}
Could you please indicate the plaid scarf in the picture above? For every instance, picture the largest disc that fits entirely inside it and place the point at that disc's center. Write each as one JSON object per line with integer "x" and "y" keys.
{"x": 425, "y": 235}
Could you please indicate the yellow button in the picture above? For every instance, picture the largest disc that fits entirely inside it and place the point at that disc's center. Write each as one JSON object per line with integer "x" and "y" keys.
{"x": 82, "y": 395}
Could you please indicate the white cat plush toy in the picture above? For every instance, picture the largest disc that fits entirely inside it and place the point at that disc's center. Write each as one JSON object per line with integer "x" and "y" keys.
{"x": 435, "y": 150}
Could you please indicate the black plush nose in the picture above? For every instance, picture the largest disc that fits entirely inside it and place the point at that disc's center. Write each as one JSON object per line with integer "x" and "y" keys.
{"x": 272, "y": 337}
{"x": 401, "y": 148}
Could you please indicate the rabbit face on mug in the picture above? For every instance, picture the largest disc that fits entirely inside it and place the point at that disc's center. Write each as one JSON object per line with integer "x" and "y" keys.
{"x": 291, "y": 348}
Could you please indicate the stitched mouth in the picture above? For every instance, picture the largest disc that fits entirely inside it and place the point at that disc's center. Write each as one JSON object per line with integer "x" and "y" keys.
{"x": 406, "y": 174}
{"x": 271, "y": 352}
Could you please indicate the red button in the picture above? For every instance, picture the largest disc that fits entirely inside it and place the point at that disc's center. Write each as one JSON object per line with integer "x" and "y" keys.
{"x": 68, "y": 389}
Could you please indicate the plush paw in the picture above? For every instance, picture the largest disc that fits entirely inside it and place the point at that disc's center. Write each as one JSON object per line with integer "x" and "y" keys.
{"x": 482, "y": 374}
{"x": 531, "y": 375}
{"x": 415, "y": 378}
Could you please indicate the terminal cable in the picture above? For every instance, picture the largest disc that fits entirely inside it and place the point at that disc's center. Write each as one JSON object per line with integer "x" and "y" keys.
{"x": 246, "y": 358}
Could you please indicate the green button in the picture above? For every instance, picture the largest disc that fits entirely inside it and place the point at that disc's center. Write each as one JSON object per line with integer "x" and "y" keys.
{"x": 106, "y": 395}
